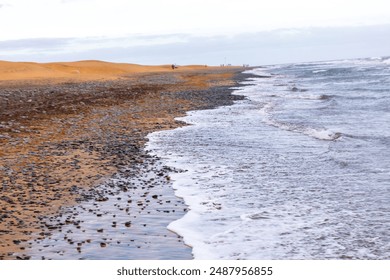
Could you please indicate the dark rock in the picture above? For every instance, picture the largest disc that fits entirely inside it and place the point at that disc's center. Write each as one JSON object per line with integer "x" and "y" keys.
{"x": 7, "y": 199}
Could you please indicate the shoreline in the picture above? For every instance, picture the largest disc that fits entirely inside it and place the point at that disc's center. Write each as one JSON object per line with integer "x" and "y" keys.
{"x": 62, "y": 142}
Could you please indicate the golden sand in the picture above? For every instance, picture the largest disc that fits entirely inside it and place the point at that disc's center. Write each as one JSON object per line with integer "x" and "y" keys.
{"x": 79, "y": 71}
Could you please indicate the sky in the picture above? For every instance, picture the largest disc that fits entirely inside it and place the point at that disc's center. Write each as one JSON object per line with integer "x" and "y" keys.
{"x": 213, "y": 32}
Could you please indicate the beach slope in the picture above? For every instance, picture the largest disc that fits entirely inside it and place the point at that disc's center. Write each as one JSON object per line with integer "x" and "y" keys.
{"x": 67, "y": 130}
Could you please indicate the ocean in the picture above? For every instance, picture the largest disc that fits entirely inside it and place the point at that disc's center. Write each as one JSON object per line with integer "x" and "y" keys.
{"x": 299, "y": 169}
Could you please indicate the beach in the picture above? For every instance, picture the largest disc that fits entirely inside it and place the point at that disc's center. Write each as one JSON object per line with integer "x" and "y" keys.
{"x": 76, "y": 181}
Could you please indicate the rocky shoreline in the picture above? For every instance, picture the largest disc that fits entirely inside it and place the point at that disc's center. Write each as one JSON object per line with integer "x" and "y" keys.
{"x": 76, "y": 181}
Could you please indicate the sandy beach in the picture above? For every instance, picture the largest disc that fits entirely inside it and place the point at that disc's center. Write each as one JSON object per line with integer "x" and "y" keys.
{"x": 76, "y": 182}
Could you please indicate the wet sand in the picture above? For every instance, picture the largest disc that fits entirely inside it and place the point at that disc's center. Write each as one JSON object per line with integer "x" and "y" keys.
{"x": 76, "y": 182}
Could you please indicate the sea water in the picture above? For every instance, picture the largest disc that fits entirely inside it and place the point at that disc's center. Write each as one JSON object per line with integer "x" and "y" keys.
{"x": 300, "y": 169}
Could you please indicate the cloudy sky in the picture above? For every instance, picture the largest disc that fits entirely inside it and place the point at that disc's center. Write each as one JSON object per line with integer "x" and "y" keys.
{"x": 253, "y": 32}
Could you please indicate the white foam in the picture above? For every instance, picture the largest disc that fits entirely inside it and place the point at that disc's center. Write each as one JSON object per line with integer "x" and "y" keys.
{"x": 319, "y": 71}
{"x": 319, "y": 133}
{"x": 306, "y": 96}
{"x": 259, "y": 72}
{"x": 322, "y": 134}
{"x": 386, "y": 61}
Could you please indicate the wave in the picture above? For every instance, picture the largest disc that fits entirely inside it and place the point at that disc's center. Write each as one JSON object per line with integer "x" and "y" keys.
{"x": 303, "y": 96}
{"x": 318, "y": 133}
{"x": 309, "y": 97}
{"x": 255, "y": 216}
{"x": 319, "y": 71}
{"x": 322, "y": 134}
{"x": 386, "y": 61}
{"x": 295, "y": 89}
{"x": 325, "y": 97}
{"x": 259, "y": 73}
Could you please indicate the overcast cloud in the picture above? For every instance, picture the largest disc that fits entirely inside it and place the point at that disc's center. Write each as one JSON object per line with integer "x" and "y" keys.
{"x": 266, "y": 47}
{"x": 186, "y": 32}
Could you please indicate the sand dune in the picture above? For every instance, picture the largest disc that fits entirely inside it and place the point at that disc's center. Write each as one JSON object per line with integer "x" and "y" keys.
{"x": 80, "y": 70}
